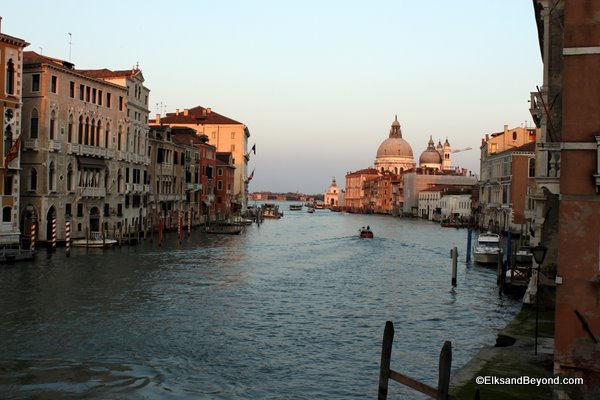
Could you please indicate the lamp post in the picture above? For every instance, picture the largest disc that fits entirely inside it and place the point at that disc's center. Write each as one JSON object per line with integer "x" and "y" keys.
{"x": 539, "y": 253}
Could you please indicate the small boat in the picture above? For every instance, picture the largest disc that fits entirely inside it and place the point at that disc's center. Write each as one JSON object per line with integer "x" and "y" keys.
{"x": 295, "y": 207}
{"x": 310, "y": 210}
{"x": 270, "y": 210}
{"x": 224, "y": 229}
{"x": 95, "y": 241}
{"x": 365, "y": 232}
{"x": 488, "y": 249}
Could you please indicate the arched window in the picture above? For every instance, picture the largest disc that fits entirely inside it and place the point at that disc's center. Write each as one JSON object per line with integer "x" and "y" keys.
{"x": 8, "y": 137}
{"x": 80, "y": 131}
{"x": 10, "y": 77}
{"x": 52, "y": 125}
{"x": 70, "y": 129}
{"x": 86, "y": 136}
{"x": 6, "y": 214}
{"x": 532, "y": 167}
{"x": 107, "y": 135}
{"x": 33, "y": 180}
{"x": 51, "y": 177}
{"x": 514, "y": 135}
{"x": 98, "y": 132}
{"x": 33, "y": 124}
{"x": 69, "y": 178}
{"x": 93, "y": 132}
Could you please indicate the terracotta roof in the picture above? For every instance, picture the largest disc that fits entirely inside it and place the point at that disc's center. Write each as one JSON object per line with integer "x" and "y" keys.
{"x": 198, "y": 115}
{"x": 13, "y": 40}
{"x": 366, "y": 171}
{"x": 31, "y": 57}
{"x": 107, "y": 73}
{"x": 529, "y": 147}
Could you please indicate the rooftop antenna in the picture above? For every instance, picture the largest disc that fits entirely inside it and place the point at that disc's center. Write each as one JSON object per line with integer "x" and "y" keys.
{"x": 41, "y": 50}
{"x": 70, "y": 43}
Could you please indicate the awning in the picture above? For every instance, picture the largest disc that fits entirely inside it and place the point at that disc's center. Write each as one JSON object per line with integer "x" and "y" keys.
{"x": 89, "y": 162}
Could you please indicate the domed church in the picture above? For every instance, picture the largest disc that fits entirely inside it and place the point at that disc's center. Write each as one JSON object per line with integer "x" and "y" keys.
{"x": 395, "y": 154}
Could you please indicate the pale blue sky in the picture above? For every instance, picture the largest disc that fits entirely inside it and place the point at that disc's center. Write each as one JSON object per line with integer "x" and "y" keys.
{"x": 318, "y": 83}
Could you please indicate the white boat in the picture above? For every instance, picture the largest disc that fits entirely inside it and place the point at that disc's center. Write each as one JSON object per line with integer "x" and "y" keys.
{"x": 310, "y": 210}
{"x": 523, "y": 255}
{"x": 488, "y": 249}
{"x": 95, "y": 240}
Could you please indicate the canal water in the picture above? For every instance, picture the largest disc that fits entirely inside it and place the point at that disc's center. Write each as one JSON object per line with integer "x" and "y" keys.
{"x": 294, "y": 308}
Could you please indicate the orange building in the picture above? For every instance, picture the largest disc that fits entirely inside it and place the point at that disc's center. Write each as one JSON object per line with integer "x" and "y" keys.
{"x": 568, "y": 175}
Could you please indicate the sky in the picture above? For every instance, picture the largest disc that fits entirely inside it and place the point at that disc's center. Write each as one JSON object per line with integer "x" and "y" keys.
{"x": 318, "y": 83}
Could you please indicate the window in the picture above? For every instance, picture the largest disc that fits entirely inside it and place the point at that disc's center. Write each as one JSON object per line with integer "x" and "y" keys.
{"x": 87, "y": 93}
{"x": 69, "y": 178}
{"x": 10, "y": 77}
{"x": 52, "y": 125}
{"x": 68, "y": 209}
{"x": 220, "y": 171}
{"x": 54, "y": 84}
{"x": 514, "y": 135}
{"x": 233, "y": 148}
{"x": 80, "y": 210}
{"x": 33, "y": 124}
{"x": 6, "y": 214}
{"x": 35, "y": 82}
{"x": 8, "y": 136}
{"x": 232, "y": 135}
{"x": 99, "y": 97}
{"x": 33, "y": 180}
{"x": 175, "y": 157}
{"x": 72, "y": 89}
{"x": 120, "y": 103}
{"x": 70, "y": 129}
{"x": 94, "y": 95}
{"x": 8, "y": 185}
{"x": 106, "y": 210}
{"x": 51, "y": 177}
{"x": 81, "y": 92}
{"x": 219, "y": 184}
{"x": 532, "y": 167}
{"x": 108, "y": 99}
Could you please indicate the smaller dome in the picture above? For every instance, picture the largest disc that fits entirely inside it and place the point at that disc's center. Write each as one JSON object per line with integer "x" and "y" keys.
{"x": 430, "y": 155}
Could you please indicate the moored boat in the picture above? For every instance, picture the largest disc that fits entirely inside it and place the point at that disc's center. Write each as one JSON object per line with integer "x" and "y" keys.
{"x": 270, "y": 210}
{"x": 488, "y": 249}
{"x": 95, "y": 241}
{"x": 295, "y": 207}
{"x": 225, "y": 229}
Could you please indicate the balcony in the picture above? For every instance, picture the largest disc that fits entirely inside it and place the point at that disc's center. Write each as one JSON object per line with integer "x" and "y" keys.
{"x": 193, "y": 187}
{"x": 138, "y": 188}
{"x": 31, "y": 144}
{"x": 165, "y": 169}
{"x": 54, "y": 145}
{"x": 535, "y": 108}
{"x": 92, "y": 192}
{"x": 548, "y": 174}
{"x": 86, "y": 150}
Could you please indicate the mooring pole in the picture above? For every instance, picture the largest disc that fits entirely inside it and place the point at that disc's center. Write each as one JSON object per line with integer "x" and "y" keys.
{"x": 469, "y": 238}
{"x": 386, "y": 356}
{"x": 454, "y": 254}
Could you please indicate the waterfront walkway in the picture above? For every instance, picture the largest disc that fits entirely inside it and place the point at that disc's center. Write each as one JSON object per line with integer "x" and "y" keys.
{"x": 516, "y": 358}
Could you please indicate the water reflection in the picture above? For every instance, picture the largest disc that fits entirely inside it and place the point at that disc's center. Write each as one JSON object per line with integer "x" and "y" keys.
{"x": 294, "y": 308}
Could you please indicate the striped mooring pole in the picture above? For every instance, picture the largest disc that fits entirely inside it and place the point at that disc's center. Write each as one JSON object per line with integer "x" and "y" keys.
{"x": 189, "y": 222}
{"x": 68, "y": 238}
{"x": 32, "y": 246}
{"x": 53, "y": 233}
{"x": 179, "y": 225}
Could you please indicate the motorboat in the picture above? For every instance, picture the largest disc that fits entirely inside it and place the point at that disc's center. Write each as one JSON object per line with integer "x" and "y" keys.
{"x": 295, "y": 207}
{"x": 94, "y": 241}
{"x": 488, "y": 249}
{"x": 310, "y": 210}
{"x": 225, "y": 229}
{"x": 270, "y": 210}
{"x": 365, "y": 232}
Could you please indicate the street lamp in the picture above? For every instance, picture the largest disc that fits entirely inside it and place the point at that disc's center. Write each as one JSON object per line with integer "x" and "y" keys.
{"x": 539, "y": 253}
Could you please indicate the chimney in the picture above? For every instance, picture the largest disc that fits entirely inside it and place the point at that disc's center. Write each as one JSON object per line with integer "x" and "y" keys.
{"x": 487, "y": 137}
{"x": 208, "y": 110}
{"x": 186, "y": 112}
{"x": 177, "y": 111}
{"x": 0, "y": 24}
{"x": 505, "y": 128}
{"x": 158, "y": 118}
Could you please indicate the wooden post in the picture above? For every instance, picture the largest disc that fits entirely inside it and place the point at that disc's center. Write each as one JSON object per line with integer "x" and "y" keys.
{"x": 68, "y": 238}
{"x": 454, "y": 253}
{"x": 444, "y": 372}
{"x": 54, "y": 234}
{"x": 469, "y": 238}
{"x": 501, "y": 271}
{"x": 32, "y": 243}
{"x": 87, "y": 236}
{"x": 386, "y": 355}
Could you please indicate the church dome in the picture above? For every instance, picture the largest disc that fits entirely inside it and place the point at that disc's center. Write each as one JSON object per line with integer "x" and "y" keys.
{"x": 395, "y": 146}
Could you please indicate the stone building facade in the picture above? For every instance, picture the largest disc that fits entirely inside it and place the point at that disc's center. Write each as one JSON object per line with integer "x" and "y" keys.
{"x": 72, "y": 164}
{"x": 11, "y": 77}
